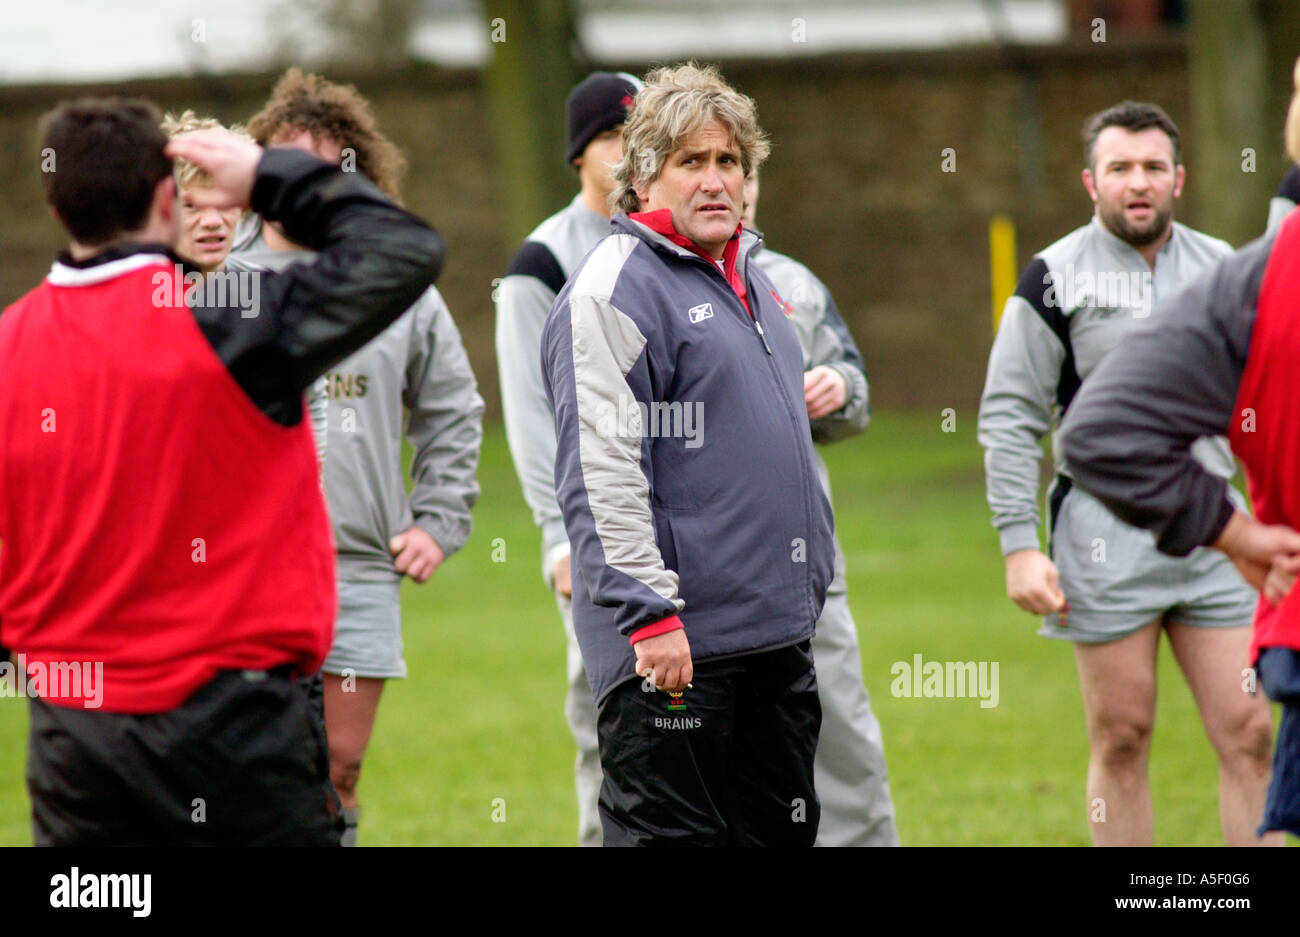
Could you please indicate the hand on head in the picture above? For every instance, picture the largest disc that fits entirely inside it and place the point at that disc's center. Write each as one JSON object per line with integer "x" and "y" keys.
{"x": 231, "y": 161}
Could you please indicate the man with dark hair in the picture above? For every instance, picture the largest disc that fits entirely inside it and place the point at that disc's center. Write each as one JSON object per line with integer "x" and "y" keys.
{"x": 1217, "y": 357}
{"x": 695, "y": 591}
{"x": 117, "y": 151}
{"x": 414, "y": 377}
{"x": 1106, "y": 587}
{"x": 1133, "y": 116}
{"x": 159, "y": 570}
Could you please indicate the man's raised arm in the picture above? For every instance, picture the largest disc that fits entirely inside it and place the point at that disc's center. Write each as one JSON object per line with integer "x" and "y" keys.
{"x": 375, "y": 259}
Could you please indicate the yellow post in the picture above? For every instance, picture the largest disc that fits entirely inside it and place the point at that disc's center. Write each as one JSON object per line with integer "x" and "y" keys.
{"x": 1002, "y": 263}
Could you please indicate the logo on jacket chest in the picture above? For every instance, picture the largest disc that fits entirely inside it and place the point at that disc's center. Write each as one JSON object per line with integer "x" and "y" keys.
{"x": 701, "y": 312}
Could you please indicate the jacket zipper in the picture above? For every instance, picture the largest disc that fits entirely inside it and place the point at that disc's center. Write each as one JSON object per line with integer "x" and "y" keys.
{"x": 808, "y": 466}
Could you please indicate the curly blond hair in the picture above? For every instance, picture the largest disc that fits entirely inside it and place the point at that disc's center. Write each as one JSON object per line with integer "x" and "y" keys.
{"x": 675, "y": 103}
{"x": 324, "y": 109}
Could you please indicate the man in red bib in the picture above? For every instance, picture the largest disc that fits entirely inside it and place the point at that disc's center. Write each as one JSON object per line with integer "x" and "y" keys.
{"x": 166, "y": 566}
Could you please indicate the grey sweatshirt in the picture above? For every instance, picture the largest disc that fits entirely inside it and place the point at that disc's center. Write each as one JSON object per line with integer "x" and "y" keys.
{"x": 825, "y": 340}
{"x": 418, "y": 364}
{"x": 1127, "y": 437}
{"x": 1077, "y": 300}
{"x": 523, "y": 298}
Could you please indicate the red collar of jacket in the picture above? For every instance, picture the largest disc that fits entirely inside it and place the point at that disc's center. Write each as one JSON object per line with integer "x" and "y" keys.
{"x": 661, "y": 222}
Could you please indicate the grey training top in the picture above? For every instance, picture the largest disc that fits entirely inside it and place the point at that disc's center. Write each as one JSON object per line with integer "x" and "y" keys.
{"x": 1076, "y": 301}
{"x": 1128, "y": 435}
{"x": 825, "y": 340}
{"x": 418, "y": 364}
{"x": 534, "y": 278}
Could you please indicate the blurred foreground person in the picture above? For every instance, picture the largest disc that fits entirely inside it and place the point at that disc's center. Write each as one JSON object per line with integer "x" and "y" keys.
{"x": 157, "y": 571}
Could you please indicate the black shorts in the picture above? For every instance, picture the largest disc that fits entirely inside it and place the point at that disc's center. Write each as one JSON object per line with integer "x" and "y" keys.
{"x": 244, "y": 761}
{"x": 733, "y": 767}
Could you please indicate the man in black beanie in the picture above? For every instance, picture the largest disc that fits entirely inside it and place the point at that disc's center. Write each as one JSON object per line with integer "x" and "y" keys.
{"x": 595, "y": 110}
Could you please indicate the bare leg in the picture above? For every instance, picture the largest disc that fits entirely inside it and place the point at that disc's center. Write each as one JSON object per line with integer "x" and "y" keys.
{"x": 1118, "y": 682}
{"x": 349, "y": 720}
{"x": 1240, "y": 725}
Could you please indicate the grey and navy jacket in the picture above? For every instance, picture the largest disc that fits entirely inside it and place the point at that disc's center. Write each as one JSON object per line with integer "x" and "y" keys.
{"x": 415, "y": 371}
{"x": 1076, "y": 301}
{"x": 524, "y": 297}
{"x": 684, "y": 470}
{"x": 1217, "y": 357}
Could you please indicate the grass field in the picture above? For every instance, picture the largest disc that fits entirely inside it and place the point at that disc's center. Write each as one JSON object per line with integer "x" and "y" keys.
{"x": 481, "y": 716}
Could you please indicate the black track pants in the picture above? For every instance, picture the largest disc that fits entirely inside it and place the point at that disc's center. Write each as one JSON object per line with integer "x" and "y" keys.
{"x": 733, "y": 767}
{"x": 244, "y": 761}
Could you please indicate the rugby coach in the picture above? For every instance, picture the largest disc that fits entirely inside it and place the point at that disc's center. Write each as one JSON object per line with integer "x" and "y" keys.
{"x": 159, "y": 506}
{"x": 700, "y": 532}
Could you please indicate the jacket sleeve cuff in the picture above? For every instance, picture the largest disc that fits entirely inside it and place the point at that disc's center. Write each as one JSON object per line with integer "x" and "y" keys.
{"x": 1226, "y": 510}
{"x": 1022, "y": 535}
{"x": 855, "y": 384}
{"x": 663, "y": 626}
{"x": 447, "y": 539}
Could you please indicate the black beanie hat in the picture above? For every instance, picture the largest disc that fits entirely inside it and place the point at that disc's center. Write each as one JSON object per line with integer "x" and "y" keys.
{"x": 597, "y": 103}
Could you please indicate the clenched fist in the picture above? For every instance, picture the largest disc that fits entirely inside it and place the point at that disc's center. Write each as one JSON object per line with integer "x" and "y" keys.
{"x": 1032, "y": 582}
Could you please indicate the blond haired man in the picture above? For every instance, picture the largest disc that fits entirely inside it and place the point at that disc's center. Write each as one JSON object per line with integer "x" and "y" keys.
{"x": 207, "y": 232}
{"x": 700, "y": 533}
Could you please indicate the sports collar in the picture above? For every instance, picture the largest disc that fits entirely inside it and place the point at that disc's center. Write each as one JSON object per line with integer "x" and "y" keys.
{"x": 661, "y": 222}
{"x": 111, "y": 263}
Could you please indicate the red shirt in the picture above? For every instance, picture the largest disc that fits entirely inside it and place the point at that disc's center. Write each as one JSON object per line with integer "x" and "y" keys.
{"x": 1269, "y": 444}
{"x": 661, "y": 222}
{"x": 153, "y": 519}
